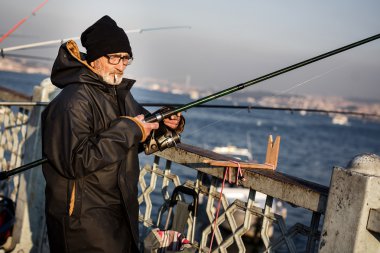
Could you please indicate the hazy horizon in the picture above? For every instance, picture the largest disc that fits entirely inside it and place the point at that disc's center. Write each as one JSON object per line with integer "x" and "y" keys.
{"x": 228, "y": 43}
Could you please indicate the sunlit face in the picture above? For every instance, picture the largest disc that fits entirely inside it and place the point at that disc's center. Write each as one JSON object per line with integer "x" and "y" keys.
{"x": 111, "y": 73}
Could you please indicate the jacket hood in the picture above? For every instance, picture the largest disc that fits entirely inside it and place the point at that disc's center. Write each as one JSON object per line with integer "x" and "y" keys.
{"x": 70, "y": 67}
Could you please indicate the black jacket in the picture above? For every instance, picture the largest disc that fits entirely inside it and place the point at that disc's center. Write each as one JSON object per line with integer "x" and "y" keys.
{"x": 92, "y": 170}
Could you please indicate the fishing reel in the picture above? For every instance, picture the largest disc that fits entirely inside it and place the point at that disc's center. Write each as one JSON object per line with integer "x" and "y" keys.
{"x": 161, "y": 138}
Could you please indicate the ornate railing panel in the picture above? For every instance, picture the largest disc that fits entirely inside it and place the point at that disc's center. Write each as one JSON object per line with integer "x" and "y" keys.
{"x": 230, "y": 233}
{"x": 13, "y": 128}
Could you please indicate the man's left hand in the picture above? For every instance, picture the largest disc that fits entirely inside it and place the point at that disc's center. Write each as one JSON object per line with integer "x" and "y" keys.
{"x": 173, "y": 121}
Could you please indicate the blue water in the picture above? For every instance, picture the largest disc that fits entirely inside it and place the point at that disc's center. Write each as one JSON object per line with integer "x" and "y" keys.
{"x": 20, "y": 82}
{"x": 310, "y": 145}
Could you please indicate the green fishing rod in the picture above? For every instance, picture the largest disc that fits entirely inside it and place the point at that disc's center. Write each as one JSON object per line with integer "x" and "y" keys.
{"x": 160, "y": 115}
{"x": 164, "y": 138}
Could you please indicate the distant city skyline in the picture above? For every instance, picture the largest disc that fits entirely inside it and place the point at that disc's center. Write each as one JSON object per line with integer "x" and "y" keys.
{"x": 228, "y": 43}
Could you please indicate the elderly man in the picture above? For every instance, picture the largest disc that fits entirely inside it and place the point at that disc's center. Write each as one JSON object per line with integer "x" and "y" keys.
{"x": 92, "y": 134}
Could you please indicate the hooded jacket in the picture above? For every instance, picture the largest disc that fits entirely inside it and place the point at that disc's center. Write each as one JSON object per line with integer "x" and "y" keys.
{"x": 91, "y": 142}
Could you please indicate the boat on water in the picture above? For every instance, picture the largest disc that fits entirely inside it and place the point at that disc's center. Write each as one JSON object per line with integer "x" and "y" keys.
{"x": 240, "y": 153}
{"x": 340, "y": 119}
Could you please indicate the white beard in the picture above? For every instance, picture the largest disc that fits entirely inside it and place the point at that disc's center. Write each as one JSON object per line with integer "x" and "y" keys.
{"x": 112, "y": 79}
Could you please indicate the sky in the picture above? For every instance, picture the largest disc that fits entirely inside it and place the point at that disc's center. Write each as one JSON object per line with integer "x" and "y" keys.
{"x": 229, "y": 42}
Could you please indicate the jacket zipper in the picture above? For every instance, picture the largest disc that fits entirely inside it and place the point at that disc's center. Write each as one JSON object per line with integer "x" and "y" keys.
{"x": 114, "y": 90}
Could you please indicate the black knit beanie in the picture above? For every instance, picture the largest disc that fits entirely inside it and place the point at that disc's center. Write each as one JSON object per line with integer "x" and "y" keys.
{"x": 104, "y": 37}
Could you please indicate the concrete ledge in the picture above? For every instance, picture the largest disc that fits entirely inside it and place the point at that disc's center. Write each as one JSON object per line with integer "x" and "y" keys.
{"x": 373, "y": 224}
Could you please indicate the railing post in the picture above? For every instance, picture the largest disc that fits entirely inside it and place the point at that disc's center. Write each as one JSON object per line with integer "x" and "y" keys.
{"x": 29, "y": 229}
{"x": 352, "y": 221}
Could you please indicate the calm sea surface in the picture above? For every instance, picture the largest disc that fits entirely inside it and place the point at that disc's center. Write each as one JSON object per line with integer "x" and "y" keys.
{"x": 310, "y": 145}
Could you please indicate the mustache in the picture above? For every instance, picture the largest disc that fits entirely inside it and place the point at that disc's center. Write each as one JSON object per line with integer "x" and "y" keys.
{"x": 117, "y": 72}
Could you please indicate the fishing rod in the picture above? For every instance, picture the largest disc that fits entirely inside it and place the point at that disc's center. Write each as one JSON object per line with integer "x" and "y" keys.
{"x": 6, "y": 174}
{"x": 159, "y": 116}
{"x": 4, "y": 51}
{"x": 164, "y": 138}
{"x": 61, "y": 41}
{"x": 27, "y": 57}
{"x": 216, "y": 106}
{"x": 271, "y": 108}
{"x": 14, "y": 28}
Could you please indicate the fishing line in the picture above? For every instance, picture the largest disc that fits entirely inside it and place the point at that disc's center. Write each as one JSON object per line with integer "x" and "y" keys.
{"x": 309, "y": 80}
{"x": 238, "y": 111}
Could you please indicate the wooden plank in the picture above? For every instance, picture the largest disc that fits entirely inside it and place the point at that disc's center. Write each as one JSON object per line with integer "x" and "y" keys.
{"x": 237, "y": 164}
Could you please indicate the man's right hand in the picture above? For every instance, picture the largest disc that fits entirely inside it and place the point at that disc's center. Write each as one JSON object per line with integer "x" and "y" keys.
{"x": 148, "y": 127}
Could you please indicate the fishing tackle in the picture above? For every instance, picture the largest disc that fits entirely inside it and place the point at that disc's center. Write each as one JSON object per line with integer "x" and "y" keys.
{"x": 161, "y": 138}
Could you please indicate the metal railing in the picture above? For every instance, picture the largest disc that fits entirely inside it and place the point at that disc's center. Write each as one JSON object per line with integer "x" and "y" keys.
{"x": 13, "y": 125}
{"x": 15, "y": 118}
{"x": 20, "y": 143}
{"x": 263, "y": 220}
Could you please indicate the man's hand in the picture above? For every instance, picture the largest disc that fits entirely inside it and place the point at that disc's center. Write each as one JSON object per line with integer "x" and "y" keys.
{"x": 173, "y": 121}
{"x": 148, "y": 127}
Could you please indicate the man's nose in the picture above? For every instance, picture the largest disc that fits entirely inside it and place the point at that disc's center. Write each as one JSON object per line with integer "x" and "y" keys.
{"x": 121, "y": 66}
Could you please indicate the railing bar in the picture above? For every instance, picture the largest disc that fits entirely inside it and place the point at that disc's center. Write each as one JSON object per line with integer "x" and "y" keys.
{"x": 13, "y": 140}
{"x": 3, "y": 161}
{"x": 2, "y": 122}
{"x": 198, "y": 182}
{"x": 210, "y": 204}
{"x": 285, "y": 235}
{"x": 165, "y": 180}
{"x": 21, "y": 124}
{"x": 150, "y": 189}
{"x": 310, "y": 246}
{"x": 15, "y": 132}
{"x": 24, "y": 103}
{"x": 264, "y": 228}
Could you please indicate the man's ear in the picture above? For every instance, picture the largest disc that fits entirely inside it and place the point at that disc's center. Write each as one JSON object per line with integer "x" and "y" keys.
{"x": 92, "y": 64}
